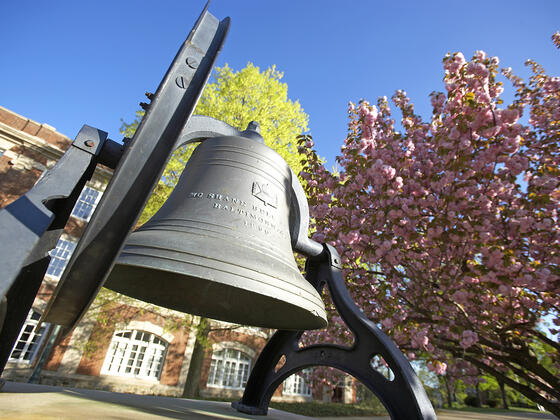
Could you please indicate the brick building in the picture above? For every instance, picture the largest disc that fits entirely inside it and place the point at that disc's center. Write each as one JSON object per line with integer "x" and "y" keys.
{"x": 137, "y": 348}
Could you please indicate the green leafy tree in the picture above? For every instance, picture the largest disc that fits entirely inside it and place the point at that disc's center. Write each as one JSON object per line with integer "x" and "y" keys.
{"x": 237, "y": 98}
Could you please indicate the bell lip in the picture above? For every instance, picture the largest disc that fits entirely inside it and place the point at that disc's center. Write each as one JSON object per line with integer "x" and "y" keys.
{"x": 179, "y": 252}
{"x": 231, "y": 301}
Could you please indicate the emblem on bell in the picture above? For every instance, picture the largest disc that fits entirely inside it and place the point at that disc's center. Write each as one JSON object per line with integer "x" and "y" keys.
{"x": 261, "y": 191}
{"x": 220, "y": 246}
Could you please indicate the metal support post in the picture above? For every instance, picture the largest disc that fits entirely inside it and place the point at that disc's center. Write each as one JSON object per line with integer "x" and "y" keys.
{"x": 138, "y": 172}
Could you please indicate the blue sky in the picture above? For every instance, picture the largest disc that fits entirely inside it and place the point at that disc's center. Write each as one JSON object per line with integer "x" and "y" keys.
{"x": 68, "y": 63}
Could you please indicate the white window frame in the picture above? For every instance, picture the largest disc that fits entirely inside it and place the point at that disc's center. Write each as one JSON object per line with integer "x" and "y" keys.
{"x": 135, "y": 353}
{"x": 298, "y": 384}
{"x": 85, "y": 206}
{"x": 29, "y": 339}
{"x": 60, "y": 257}
{"x": 229, "y": 368}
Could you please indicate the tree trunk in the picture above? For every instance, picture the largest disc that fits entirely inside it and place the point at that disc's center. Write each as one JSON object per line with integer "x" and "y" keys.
{"x": 503, "y": 392}
{"x": 449, "y": 392}
{"x": 192, "y": 384}
{"x": 478, "y": 394}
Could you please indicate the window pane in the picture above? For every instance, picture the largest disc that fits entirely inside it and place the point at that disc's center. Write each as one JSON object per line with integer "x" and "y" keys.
{"x": 245, "y": 375}
{"x": 59, "y": 257}
{"x": 212, "y": 372}
{"x": 86, "y": 203}
{"x": 29, "y": 340}
{"x": 138, "y": 355}
{"x": 297, "y": 384}
{"x": 229, "y": 368}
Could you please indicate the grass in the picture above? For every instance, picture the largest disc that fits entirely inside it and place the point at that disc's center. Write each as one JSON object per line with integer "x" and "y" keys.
{"x": 494, "y": 410}
{"x": 323, "y": 409}
{"x": 319, "y": 409}
{"x": 372, "y": 407}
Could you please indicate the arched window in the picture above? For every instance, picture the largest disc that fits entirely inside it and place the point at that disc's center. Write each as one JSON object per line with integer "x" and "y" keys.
{"x": 298, "y": 384}
{"x": 229, "y": 368}
{"x": 135, "y": 353}
{"x": 30, "y": 339}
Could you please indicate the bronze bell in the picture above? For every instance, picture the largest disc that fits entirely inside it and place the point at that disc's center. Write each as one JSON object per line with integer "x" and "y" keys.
{"x": 220, "y": 246}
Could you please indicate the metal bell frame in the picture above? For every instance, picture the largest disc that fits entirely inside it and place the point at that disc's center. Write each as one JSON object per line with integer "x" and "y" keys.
{"x": 38, "y": 218}
{"x": 403, "y": 396}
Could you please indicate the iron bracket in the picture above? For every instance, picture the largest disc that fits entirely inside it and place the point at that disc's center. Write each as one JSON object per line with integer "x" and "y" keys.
{"x": 403, "y": 396}
{"x": 31, "y": 226}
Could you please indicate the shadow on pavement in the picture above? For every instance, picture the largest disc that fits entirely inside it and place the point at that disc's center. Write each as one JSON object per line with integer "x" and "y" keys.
{"x": 51, "y": 402}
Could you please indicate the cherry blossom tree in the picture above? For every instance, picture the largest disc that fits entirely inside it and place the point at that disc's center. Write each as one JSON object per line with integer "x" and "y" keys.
{"x": 448, "y": 228}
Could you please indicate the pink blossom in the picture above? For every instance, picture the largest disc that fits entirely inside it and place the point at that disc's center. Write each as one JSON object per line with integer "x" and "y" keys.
{"x": 477, "y": 69}
{"x": 437, "y": 99}
{"x": 462, "y": 246}
{"x": 388, "y": 171}
{"x": 556, "y": 38}
{"x": 351, "y": 238}
{"x": 420, "y": 340}
{"x": 509, "y": 116}
{"x": 437, "y": 367}
{"x": 321, "y": 210}
{"x": 469, "y": 338}
{"x": 452, "y": 63}
{"x": 460, "y": 296}
{"x": 387, "y": 323}
{"x": 319, "y": 237}
{"x": 480, "y": 55}
{"x": 454, "y": 135}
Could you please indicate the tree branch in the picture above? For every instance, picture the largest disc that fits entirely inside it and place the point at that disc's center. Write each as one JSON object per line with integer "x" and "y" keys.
{"x": 546, "y": 340}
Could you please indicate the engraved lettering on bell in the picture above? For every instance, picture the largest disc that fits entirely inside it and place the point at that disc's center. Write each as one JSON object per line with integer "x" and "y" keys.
{"x": 263, "y": 192}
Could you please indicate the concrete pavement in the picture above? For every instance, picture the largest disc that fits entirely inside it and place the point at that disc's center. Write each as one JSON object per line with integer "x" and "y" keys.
{"x": 40, "y": 402}
{"x": 21, "y": 401}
